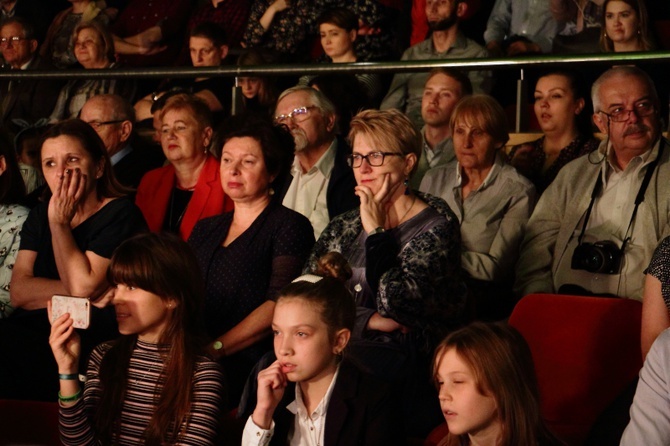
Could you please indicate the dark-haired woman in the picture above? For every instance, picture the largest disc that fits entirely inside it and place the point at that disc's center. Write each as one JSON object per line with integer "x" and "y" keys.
{"x": 12, "y": 216}
{"x": 152, "y": 386}
{"x": 248, "y": 255}
{"x": 66, "y": 244}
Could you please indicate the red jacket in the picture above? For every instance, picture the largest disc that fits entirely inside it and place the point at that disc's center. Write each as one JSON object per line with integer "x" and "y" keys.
{"x": 153, "y": 195}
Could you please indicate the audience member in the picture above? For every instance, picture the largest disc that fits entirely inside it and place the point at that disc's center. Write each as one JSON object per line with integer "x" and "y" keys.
{"x": 338, "y": 29}
{"x": 208, "y": 45}
{"x": 520, "y": 27}
{"x": 173, "y": 198}
{"x": 94, "y": 49}
{"x": 626, "y": 27}
{"x": 66, "y": 244}
{"x": 560, "y": 103}
{"x": 313, "y": 379}
{"x": 347, "y": 95}
{"x": 113, "y": 118}
{"x": 281, "y": 26}
{"x": 492, "y": 201}
{"x": 38, "y": 12}
{"x": 230, "y": 15}
{"x": 582, "y": 21}
{"x": 649, "y": 423}
{"x": 260, "y": 94}
{"x": 322, "y": 185}
{"x": 444, "y": 88}
{"x": 150, "y": 33}
{"x": 596, "y": 226}
{"x": 248, "y": 255}
{"x": 12, "y": 216}
{"x": 445, "y": 42}
{"x": 656, "y": 297}
{"x": 404, "y": 250}
{"x": 58, "y": 47}
{"x": 488, "y": 389}
{"x": 27, "y": 100}
{"x": 27, "y": 144}
{"x": 153, "y": 385}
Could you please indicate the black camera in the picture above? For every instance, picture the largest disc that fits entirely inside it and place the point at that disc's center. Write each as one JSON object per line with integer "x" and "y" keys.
{"x": 602, "y": 257}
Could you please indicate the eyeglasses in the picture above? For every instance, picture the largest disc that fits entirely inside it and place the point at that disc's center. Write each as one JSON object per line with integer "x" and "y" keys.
{"x": 374, "y": 159}
{"x": 641, "y": 109}
{"x": 299, "y": 114}
{"x": 5, "y": 41}
{"x": 84, "y": 44}
{"x": 97, "y": 124}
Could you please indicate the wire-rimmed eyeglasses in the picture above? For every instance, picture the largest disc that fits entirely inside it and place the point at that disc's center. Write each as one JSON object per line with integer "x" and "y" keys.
{"x": 299, "y": 114}
{"x": 620, "y": 114}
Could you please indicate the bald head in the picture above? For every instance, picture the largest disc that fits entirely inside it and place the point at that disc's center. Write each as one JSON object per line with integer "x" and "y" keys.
{"x": 112, "y": 117}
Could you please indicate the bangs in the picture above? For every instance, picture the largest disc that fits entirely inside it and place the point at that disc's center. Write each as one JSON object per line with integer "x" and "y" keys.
{"x": 134, "y": 269}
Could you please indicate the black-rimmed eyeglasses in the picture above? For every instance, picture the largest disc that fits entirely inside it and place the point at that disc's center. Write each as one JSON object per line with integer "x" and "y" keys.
{"x": 299, "y": 114}
{"x": 375, "y": 159}
{"x": 620, "y": 114}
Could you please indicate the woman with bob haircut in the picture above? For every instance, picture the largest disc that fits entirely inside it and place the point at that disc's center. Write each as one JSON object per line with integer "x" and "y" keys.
{"x": 153, "y": 385}
{"x": 249, "y": 254}
{"x": 94, "y": 49}
{"x": 174, "y": 197}
{"x": 404, "y": 250}
{"x": 66, "y": 244}
{"x": 491, "y": 199}
{"x": 487, "y": 388}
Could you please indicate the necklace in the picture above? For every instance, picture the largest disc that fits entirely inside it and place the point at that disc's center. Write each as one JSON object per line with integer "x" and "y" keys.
{"x": 407, "y": 211}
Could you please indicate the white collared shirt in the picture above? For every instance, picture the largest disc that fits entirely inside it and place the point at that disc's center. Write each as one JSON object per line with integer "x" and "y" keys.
{"x": 307, "y": 192}
{"x": 308, "y": 429}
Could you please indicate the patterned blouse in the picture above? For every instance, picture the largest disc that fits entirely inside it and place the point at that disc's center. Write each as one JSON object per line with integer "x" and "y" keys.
{"x": 12, "y": 217}
{"x": 533, "y": 170}
{"x": 659, "y": 267}
{"x": 421, "y": 287}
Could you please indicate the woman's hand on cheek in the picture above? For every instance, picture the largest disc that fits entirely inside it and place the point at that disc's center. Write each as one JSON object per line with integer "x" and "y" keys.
{"x": 67, "y": 196}
{"x": 374, "y": 207}
{"x": 271, "y": 385}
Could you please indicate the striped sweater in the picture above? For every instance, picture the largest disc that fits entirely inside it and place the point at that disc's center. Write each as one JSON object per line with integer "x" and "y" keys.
{"x": 143, "y": 389}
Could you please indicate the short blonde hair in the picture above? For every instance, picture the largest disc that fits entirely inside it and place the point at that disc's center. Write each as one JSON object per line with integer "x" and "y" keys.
{"x": 196, "y": 107}
{"x": 486, "y": 113}
{"x": 390, "y": 130}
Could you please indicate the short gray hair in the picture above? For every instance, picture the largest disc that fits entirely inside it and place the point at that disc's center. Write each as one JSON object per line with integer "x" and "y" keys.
{"x": 316, "y": 98}
{"x": 622, "y": 71}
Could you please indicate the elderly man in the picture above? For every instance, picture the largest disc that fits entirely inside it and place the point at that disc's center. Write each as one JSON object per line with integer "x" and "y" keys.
{"x": 24, "y": 100}
{"x": 322, "y": 184}
{"x": 444, "y": 88}
{"x": 112, "y": 117}
{"x": 445, "y": 42}
{"x": 595, "y": 228}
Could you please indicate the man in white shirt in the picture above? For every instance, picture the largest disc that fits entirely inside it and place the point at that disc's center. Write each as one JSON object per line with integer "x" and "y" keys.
{"x": 595, "y": 228}
{"x": 444, "y": 88}
{"x": 322, "y": 184}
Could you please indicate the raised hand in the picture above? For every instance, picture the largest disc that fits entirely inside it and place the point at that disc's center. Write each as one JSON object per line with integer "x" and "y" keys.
{"x": 271, "y": 385}
{"x": 65, "y": 343}
{"x": 67, "y": 196}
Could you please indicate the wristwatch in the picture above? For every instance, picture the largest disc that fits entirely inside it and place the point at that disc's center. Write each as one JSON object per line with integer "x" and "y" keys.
{"x": 218, "y": 346}
{"x": 376, "y": 230}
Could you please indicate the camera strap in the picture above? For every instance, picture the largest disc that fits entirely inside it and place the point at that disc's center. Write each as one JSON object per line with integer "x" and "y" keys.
{"x": 639, "y": 198}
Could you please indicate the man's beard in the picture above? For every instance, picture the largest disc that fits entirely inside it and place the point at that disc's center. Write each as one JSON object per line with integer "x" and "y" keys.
{"x": 300, "y": 139}
{"x": 444, "y": 24}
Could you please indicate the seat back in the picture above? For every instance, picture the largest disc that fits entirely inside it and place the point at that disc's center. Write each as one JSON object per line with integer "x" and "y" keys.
{"x": 586, "y": 352}
{"x": 32, "y": 423}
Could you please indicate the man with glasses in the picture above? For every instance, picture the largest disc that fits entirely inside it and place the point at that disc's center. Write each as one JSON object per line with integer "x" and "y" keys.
{"x": 321, "y": 183}
{"x": 595, "y": 228}
{"x": 24, "y": 100}
{"x": 112, "y": 117}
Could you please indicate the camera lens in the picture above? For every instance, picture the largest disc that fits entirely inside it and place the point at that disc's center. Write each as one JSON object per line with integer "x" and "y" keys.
{"x": 593, "y": 262}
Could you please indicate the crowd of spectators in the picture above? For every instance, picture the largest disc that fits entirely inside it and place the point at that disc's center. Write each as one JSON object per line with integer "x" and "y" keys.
{"x": 408, "y": 182}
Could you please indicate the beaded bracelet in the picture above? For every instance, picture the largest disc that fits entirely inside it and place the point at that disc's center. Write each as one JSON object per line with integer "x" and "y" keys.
{"x": 69, "y": 399}
{"x": 68, "y": 376}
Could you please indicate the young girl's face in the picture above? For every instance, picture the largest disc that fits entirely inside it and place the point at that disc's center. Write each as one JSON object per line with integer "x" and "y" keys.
{"x": 336, "y": 41}
{"x": 466, "y": 410}
{"x": 304, "y": 350}
{"x": 141, "y": 312}
{"x": 251, "y": 86}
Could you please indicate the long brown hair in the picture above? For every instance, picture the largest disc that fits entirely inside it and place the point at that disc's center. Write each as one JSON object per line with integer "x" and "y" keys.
{"x": 164, "y": 265}
{"x": 644, "y": 35}
{"x": 502, "y": 365}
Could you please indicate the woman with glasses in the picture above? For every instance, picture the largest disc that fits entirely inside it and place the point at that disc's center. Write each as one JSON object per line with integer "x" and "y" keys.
{"x": 492, "y": 200}
{"x": 246, "y": 256}
{"x": 404, "y": 250}
{"x": 94, "y": 49}
{"x": 174, "y": 197}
